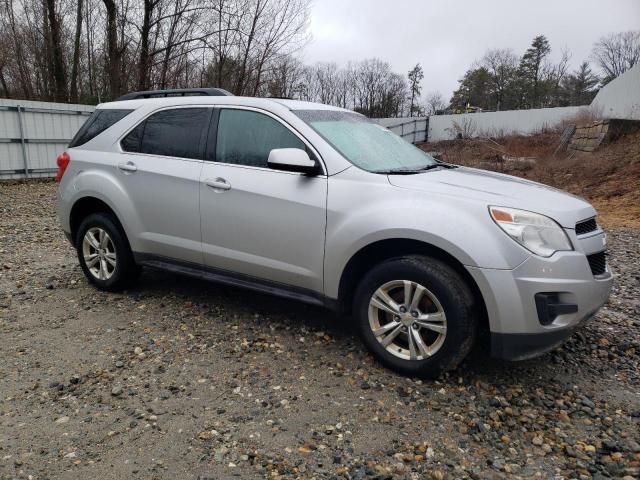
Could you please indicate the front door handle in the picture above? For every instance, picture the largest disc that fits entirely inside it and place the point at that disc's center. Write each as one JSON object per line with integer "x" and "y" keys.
{"x": 218, "y": 184}
{"x": 127, "y": 166}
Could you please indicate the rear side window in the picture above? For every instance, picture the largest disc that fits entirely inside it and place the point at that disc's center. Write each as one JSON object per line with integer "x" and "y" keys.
{"x": 178, "y": 132}
{"x": 132, "y": 142}
{"x": 97, "y": 123}
{"x": 246, "y": 138}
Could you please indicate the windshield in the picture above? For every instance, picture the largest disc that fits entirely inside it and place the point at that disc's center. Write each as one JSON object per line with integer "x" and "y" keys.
{"x": 365, "y": 143}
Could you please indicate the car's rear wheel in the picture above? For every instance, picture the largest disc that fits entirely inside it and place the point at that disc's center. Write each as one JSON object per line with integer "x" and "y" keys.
{"x": 104, "y": 253}
{"x": 416, "y": 315}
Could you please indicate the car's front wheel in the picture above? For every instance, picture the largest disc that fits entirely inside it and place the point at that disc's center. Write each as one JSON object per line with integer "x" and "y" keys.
{"x": 416, "y": 315}
{"x": 104, "y": 253}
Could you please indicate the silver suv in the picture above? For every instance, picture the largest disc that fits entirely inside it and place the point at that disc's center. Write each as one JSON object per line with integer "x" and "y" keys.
{"x": 319, "y": 204}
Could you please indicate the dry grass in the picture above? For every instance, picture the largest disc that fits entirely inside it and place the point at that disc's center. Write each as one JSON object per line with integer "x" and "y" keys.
{"x": 584, "y": 116}
{"x": 609, "y": 177}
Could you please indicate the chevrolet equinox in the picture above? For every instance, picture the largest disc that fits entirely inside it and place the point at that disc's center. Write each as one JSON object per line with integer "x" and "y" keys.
{"x": 319, "y": 204}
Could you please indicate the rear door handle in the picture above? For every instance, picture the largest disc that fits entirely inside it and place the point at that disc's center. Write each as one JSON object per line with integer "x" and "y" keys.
{"x": 218, "y": 184}
{"x": 127, "y": 166}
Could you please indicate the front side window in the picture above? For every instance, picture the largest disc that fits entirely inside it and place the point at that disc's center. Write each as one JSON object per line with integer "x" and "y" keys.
{"x": 98, "y": 122}
{"x": 246, "y": 137}
{"x": 365, "y": 143}
{"x": 176, "y": 132}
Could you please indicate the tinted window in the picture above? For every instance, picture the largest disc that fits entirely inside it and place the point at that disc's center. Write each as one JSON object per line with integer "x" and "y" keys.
{"x": 97, "y": 123}
{"x": 246, "y": 138}
{"x": 173, "y": 133}
{"x": 131, "y": 143}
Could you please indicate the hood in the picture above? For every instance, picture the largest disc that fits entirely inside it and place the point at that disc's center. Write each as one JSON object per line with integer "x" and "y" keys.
{"x": 500, "y": 190}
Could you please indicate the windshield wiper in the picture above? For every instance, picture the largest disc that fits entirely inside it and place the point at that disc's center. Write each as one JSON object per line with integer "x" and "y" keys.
{"x": 429, "y": 167}
{"x": 446, "y": 165}
{"x": 408, "y": 171}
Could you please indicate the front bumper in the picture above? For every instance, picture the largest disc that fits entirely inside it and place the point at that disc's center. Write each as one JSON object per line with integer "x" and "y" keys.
{"x": 518, "y": 331}
{"x": 522, "y": 346}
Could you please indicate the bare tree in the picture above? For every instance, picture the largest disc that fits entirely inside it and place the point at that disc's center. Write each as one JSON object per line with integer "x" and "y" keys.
{"x": 502, "y": 64}
{"x": 369, "y": 87}
{"x": 435, "y": 103}
{"x": 286, "y": 32}
{"x": 113, "y": 46}
{"x": 617, "y": 53}
{"x": 57, "y": 55}
{"x": 114, "y": 52}
{"x": 229, "y": 14}
{"x": 308, "y": 90}
{"x": 327, "y": 80}
{"x": 286, "y": 77}
{"x": 4, "y": 62}
{"x": 90, "y": 27}
{"x": 145, "y": 32}
{"x": 76, "y": 53}
{"x": 343, "y": 87}
{"x": 553, "y": 75}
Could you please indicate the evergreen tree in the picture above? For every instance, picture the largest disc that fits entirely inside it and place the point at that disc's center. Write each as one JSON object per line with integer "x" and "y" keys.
{"x": 474, "y": 90}
{"x": 530, "y": 71}
{"x": 415, "y": 75}
{"x": 579, "y": 88}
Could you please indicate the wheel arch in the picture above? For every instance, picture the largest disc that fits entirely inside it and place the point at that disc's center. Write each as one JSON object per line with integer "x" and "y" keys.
{"x": 374, "y": 253}
{"x": 86, "y": 206}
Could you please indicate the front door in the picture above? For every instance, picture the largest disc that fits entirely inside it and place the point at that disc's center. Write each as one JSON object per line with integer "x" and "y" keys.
{"x": 256, "y": 221}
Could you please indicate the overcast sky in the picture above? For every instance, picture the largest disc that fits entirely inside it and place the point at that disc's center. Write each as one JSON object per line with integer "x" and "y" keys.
{"x": 446, "y": 36}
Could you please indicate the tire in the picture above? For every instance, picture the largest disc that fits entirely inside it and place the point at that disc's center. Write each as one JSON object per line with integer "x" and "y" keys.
{"x": 443, "y": 318}
{"x": 109, "y": 263}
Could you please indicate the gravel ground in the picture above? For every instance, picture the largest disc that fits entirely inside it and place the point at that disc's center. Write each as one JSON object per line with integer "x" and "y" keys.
{"x": 182, "y": 379}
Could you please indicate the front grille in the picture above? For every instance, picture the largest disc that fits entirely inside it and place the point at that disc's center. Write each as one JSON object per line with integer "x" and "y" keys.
{"x": 598, "y": 263}
{"x": 586, "y": 226}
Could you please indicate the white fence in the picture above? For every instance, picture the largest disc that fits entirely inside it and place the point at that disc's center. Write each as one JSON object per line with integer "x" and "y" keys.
{"x": 32, "y": 134}
{"x": 412, "y": 129}
{"x": 447, "y": 127}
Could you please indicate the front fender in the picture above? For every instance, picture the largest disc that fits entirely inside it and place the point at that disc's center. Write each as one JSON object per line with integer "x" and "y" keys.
{"x": 459, "y": 226}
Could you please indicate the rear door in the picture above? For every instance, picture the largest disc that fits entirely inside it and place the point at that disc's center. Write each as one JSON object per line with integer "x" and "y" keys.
{"x": 257, "y": 221}
{"x": 160, "y": 171}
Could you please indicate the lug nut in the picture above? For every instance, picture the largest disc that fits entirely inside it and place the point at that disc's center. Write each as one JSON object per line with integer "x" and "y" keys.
{"x": 414, "y": 314}
{"x": 415, "y": 325}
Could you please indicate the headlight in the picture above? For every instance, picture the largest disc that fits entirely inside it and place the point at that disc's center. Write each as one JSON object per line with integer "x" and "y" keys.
{"x": 533, "y": 231}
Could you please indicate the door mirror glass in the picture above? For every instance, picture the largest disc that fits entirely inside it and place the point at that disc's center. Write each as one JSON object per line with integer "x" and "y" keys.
{"x": 292, "y": 160}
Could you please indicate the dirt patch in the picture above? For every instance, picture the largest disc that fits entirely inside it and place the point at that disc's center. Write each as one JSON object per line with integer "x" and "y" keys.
{"x": 609, "y": 177}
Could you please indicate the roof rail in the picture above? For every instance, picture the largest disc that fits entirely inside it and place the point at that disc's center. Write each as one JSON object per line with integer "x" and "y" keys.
{"x": 176, "y": 92}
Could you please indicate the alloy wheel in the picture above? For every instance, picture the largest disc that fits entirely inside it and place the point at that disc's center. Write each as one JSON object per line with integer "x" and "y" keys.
{"x": 99, "y": 253}
{"x": 407, "y": 319}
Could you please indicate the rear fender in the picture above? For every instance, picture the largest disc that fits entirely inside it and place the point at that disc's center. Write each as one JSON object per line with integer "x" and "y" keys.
{"x": 104, "y": 186}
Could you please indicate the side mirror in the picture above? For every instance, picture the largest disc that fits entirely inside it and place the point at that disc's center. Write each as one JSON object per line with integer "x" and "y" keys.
{"x": 292, "y": 160}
